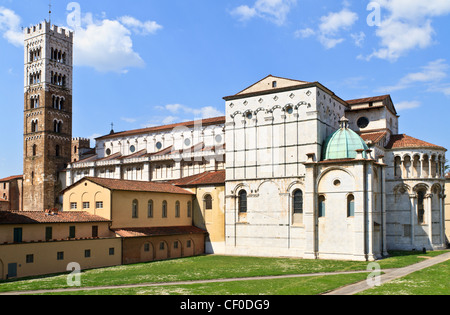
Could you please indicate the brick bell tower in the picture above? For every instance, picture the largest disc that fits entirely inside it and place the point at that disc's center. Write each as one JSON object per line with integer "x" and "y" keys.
{"x": 47, "y": 113}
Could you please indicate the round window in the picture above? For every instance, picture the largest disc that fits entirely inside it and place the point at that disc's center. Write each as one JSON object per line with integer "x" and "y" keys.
{"x": 132, "y": 149}
{"x": 337, "y": 183}
{"x": 363, "y": 122}
{"x": 289, "y": 110}
{"x": 108, "y": 151}
{"x": 159, "y": 145}
{"x": 187, "y": 142}
{"x": 218, "y": 138}
{"x": 249, "y": 115}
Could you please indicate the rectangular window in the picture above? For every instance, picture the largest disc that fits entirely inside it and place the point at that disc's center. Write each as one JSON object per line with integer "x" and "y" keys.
{"x": 188, "y": 244}
{"x": 60, "y": 256}
{"x": 73, "y": 206}
{"x": 87, "y": 253}
{"x": 18, "y": 235}
{"x": 30, "y": 259}
{"x": 72, "y": 232}
{"x": 86, "y": 205}
{"x": 146, "y": 247}
{"x": 48, "y": 233}
{"x": 175, "y": 245}
{"x": 161, "y": 246}
{"x": 111, "y": 252}
{"x": 95, "y": 231}
{"x": 99, "y": 205}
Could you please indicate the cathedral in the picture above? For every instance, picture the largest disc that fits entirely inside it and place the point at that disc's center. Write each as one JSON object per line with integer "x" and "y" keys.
{"x": 291, "y": 170}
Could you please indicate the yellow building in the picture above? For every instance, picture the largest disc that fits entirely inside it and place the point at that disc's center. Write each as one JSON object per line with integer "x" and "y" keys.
{"x": 155, "y": 220}
{"x": 38, "y": 243}
{"x": 209, "y": 206}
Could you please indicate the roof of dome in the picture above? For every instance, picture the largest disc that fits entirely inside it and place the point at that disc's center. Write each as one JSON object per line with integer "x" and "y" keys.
{"x": 343, "y": 144}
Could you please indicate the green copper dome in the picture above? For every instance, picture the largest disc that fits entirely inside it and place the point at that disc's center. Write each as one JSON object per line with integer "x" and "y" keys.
{"x": 343, "y": 144}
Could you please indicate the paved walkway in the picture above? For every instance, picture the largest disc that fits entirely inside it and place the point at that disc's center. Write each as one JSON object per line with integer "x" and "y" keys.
{"x": 389, "y": 275}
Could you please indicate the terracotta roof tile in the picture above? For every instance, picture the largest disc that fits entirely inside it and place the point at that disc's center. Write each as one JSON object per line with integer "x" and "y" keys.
{"x": 37, "y": 217}
{"x": 138, "y": 186}
{"x": 158, "y": 231}
{"x": 404, "y": 141}
{"x": 375, "y": 137}
{"x": 10, "y": 178}
{"x": 207, "y": 178}
{"x": 368, "y": 99}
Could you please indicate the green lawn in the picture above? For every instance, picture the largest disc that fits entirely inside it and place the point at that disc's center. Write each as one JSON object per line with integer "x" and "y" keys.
{"x": 289, "y": 286}
{"x": 207, "y": 268}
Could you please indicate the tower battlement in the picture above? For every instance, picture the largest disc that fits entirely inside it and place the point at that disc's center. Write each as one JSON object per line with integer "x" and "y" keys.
{"x": 46, "y": 28}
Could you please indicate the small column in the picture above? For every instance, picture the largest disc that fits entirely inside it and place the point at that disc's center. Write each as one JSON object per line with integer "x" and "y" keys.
{"x": 421, "y": 168}
{"x": 413, "y": 200}
{"x": 430, "y": 217}
{"x": 429, "y": 167}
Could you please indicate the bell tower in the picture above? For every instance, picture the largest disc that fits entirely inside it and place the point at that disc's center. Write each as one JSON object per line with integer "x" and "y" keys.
{"x": 47, "y": 113}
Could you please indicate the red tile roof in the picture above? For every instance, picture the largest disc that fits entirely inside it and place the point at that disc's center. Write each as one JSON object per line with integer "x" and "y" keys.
{"x": 207, "y": 178}
{"x": 368, "y": 100}
{"x": 38, "y": 217}
{"x": 158, "y": 231}
{"x": 404, "y": 141}
{"x": 7, "y": 179}
{"x": 375, "y": 137}
{"x": 190, "y": 124}
{"x": 138, "y": 186}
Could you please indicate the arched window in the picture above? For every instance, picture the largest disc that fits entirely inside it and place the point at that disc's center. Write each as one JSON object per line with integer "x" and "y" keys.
{"x": 135, "y": 209}
{"x": 34, "y": 126}
{"x": 150, "y": 209}
{"x": 321, "y": 206}
{"x": 189, "y": 209}
{"x": 164, "y": 209}
{"x": 298, "y": 202}
{"x": 297, "y": 207}
{"x": 350, "y": 206}
{"x": 208, "y": 202}
{"x": 421, "y": 207}
{"x": 177, "y": 209}
{"x": 34, "y": 150}
{"x": 57, "y": 151}
{"x": 242, "y": 201}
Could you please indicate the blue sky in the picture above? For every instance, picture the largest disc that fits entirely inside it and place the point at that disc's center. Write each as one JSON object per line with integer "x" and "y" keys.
{"x": 144, "y": 63}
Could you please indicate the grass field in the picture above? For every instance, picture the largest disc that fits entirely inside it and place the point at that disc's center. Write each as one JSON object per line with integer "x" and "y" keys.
{"x": 221, "y": 267}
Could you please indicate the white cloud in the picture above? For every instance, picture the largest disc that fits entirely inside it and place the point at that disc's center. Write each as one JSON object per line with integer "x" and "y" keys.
{"x": 330, "y": 28}
{"x": 433, "y": 73}
{"x": 141, "y": 28}
{"x": 10, "y": 27}
{"x": 358, "y": 38}
{"x": 107, "y": 45}
{"x": 336, "y": 21}
{"x": 305, "y": 33}
{"x": 275, "y": 11}
{"x": 407, "y": 27}
{"x": 407, "y": 105}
